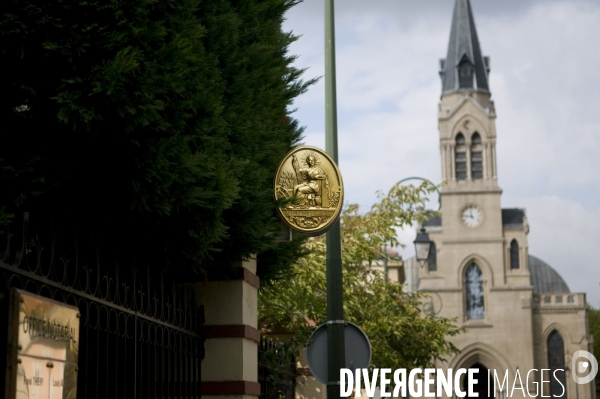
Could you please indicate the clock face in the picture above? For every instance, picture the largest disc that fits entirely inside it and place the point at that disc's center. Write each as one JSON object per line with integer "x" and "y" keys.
{"x": 471, "y": 216}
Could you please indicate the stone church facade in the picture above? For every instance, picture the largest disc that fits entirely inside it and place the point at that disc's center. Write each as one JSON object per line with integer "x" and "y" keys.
{"x": 517, "y": 311}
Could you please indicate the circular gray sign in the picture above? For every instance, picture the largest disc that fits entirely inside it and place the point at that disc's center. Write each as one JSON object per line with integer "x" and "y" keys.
{"x": 358, "y": 350}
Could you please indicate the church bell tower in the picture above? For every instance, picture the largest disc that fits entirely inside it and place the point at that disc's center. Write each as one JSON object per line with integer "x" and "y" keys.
{"x": 473, "y": 227}
{"x": 466, "y": 116}
{"x": 477, "y": 269}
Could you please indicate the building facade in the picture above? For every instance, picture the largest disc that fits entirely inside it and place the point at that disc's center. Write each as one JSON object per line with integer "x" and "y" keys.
{"x": 518, "y": 313}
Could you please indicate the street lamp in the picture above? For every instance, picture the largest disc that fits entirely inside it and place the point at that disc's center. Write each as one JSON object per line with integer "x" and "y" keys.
{"x": 422, "y": 245}
{"x": 422, "y": 242}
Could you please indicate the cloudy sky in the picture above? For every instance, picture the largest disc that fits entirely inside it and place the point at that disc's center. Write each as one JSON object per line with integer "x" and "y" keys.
{"x": 545, "y": 80}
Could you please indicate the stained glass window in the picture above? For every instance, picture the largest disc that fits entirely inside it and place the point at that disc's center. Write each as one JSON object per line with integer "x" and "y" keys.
{"x": 556, "y": 361}
{"x": 474, "y": 288}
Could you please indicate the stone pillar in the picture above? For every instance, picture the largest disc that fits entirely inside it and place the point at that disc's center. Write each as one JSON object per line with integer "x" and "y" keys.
{"x": 230, "y": 366}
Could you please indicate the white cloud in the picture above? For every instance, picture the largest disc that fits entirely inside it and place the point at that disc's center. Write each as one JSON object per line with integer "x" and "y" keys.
{"x": 546, "y": 101}
{"x": 565, "y": 235}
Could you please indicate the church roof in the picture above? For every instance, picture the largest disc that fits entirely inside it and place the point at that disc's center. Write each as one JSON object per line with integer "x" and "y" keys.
{"x": 463, "y": 48}
{"x": 513, "y": 216}
{"x": 544, "y": 278}
{"x": 433, "y": 221}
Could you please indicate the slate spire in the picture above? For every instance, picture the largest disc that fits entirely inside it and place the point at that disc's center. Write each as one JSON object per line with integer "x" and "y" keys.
{"x": 464, "y": 66}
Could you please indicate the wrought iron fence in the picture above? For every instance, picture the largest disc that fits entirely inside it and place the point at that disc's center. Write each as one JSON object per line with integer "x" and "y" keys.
{"x": 139, "y": 336}
{"x": 276, "y": 370}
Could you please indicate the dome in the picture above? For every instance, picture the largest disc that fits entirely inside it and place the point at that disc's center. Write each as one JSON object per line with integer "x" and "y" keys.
{"x": 544, "y": 278}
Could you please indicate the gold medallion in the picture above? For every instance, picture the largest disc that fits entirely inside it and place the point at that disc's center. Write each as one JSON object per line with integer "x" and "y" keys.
{"x": 313, "y": 180}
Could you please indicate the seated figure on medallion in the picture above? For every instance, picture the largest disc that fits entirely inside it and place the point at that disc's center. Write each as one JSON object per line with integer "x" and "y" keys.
{"x": 313, "y": 185}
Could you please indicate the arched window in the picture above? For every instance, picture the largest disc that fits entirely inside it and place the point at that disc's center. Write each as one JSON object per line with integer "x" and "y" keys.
{"x": 465, "y": 73}
{"x": 556, "y": 361}
{"x": 432, "y": 258}
{"x": 460, "y": 157}
{"x": 474, "y": 288}
{"x": 476, "y": 157}
{"x": 514, "y": 254}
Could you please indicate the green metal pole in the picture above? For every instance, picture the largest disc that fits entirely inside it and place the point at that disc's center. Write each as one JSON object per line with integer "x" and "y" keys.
{"x": 335, "y": 297}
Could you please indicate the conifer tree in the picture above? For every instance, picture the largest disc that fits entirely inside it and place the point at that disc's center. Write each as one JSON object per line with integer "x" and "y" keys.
{"x": 152, "y": 127}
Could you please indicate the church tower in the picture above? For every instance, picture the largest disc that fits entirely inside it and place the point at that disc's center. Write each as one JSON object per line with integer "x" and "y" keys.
{"x": 478, "y": 265}
{"x": 473, "y": 222}
{"x": 468, "y": 133}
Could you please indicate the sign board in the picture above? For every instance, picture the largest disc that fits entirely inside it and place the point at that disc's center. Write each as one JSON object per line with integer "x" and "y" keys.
{"x": 43, "y": 344}
{"x": 357, "y": 345}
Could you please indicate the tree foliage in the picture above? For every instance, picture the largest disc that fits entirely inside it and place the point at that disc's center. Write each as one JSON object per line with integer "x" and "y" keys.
{"x": 150, "y": 125}
{"x": 401, "y": 334}
{"x": 594, "y": 326}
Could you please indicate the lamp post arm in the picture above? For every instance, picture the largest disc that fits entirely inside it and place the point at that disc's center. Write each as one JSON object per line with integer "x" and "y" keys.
{"x": 429, "y": 181}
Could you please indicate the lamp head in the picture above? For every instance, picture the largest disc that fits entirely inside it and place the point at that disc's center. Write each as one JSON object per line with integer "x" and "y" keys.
{"x": 422, "y": 245}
